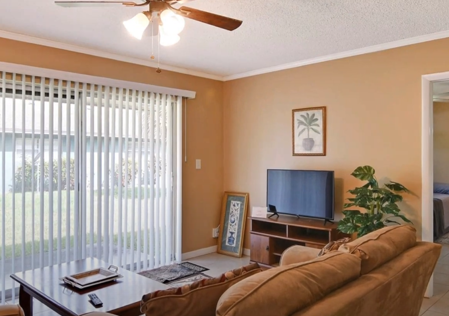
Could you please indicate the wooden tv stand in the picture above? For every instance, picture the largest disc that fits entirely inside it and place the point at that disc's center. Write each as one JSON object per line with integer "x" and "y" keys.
{"x": 271, "y": 236}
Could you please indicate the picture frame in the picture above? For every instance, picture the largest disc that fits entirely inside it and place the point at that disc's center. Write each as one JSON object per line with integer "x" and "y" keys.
{"x": 232, "y": 223}
{"x": 309, "y": 131}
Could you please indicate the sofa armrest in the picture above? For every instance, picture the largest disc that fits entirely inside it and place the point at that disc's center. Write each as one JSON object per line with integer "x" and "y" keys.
{"x": 11, "y": 310}
{"x": 297, "y": 254}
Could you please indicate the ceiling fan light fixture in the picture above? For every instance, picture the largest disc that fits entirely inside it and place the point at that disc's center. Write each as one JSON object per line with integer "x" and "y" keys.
{"x": 137, "y": 25}
{"x": 167, "y": 39}
{"x": 173, "y": 23}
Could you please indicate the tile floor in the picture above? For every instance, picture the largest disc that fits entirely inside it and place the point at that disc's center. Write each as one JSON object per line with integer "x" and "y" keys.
{"x": 438, "y": 305}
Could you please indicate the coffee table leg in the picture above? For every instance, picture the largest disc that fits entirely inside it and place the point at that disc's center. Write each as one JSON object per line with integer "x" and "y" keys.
{"x": 26, "y": 302}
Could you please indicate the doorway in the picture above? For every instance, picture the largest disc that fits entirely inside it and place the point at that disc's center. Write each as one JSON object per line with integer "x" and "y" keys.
{"x": 427, "y": 163}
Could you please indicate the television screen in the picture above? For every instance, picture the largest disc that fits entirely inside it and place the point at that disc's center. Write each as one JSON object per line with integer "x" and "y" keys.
{"x": 307, "y": 193}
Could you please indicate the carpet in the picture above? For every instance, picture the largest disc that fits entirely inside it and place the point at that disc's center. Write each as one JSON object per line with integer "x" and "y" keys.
{"x": 443, "y": 239}
{"x": 173, "y": 272}
{"x": 189, "y": 279}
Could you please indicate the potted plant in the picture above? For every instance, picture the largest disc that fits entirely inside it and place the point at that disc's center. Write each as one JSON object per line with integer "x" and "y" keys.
{"x": 308, "y": 121}
{"x": 378, "y": 201}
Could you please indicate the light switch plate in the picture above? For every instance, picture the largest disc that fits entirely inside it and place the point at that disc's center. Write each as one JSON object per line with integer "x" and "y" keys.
{"x": 198, "y": 164}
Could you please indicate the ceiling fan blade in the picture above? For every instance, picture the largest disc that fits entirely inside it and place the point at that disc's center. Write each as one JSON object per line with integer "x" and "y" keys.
{"x": 210, "y": 18}
{"x": 94, "y": 3}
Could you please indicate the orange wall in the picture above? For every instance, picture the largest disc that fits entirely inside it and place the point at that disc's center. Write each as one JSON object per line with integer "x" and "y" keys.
{"x": 441, "y": 142}
{"x": 242, "y": 127}
{"x": 373, "y": 117}
{"x": 202, "y": 189}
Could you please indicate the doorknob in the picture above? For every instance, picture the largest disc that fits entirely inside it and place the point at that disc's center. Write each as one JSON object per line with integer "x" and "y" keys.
{"x": 268, "y": 248}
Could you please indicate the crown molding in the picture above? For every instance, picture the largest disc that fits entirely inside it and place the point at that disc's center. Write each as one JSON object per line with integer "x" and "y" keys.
{"x": 103, "y": 54}
{"x": 350, "y": 53}
{"x": 296, "y": 64}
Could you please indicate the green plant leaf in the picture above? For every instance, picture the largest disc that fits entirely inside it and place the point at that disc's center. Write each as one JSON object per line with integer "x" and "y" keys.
{"x": 394, "y": 186}
{"x": 363, "y": 231}
{"x": 373, "y": 182}
{"x": 405, "y": 219}
{"x": 360, "y": 191}
{"x": 347, "y": 226}
{"x": 390, "y": 197}
{"x": 363, "y": 173}
{"x": 377, "y": 201}
{"x": 379, "y": 225}
{"x": 316, "y": 131}
{"x": 378, "y": 216}
{"x": 391, "y": 208}
{"x": 389, "y": 221}
{"x": 351, "y": 213}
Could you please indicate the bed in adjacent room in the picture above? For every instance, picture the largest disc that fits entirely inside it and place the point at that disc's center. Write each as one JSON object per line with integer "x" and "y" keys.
{"x": 440, "y": 209}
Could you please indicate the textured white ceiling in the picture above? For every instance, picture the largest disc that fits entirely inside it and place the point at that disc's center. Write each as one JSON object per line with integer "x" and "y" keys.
{"x": 273, "y": 32}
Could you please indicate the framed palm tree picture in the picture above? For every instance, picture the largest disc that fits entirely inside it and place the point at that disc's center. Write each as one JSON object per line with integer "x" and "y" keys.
{"x": 309, "y": 131}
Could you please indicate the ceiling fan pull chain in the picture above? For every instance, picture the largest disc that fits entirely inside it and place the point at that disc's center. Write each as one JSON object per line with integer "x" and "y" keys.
{"x": 152, "y": 38}
{"x": 158, "y": 70}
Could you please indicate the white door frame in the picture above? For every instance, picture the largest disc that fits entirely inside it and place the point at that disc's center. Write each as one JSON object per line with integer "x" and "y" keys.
{"x": 427, "y": 159}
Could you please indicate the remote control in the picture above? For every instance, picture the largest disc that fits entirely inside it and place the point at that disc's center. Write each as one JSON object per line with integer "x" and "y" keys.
{"x": 95, "y": 300}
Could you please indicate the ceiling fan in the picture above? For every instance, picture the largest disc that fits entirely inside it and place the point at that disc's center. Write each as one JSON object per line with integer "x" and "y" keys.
{"x": 164, "y": 18}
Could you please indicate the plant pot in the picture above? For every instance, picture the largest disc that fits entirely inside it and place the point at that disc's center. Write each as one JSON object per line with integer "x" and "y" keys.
{"x": 307, "y": 143}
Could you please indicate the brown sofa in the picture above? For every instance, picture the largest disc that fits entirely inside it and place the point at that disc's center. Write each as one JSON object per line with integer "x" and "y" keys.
{"x": 383, "y": 273}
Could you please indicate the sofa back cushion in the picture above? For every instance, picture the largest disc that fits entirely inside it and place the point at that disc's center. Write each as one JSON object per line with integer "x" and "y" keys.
{"x": 198, "y": 298}
{"x": 396, "y": 288}
{"x": 284, "y": 290}
{"x": 381, "y": 246}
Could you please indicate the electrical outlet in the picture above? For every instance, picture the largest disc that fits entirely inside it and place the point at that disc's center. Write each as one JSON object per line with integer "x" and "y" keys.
{"x": 215, "y": 232}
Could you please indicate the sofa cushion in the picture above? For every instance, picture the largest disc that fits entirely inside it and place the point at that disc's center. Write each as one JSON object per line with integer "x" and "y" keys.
{"x": 271, "y": 292}
{"x": 198, "y": 298}
{"x": 381, "y": 246}
{"x": 11, "y": 310}
{"x": 297, "y": 254}
{"x": 333, "y": 246}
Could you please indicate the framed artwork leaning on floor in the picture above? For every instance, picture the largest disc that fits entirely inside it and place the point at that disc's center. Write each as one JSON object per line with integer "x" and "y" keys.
{"x": 232, "y": 223}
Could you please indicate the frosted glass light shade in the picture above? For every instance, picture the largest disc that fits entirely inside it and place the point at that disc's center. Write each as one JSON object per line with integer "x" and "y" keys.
{"x": 167, "y": 39}
{"x": 137, "y": 25}
{"x": 172, "y": 22}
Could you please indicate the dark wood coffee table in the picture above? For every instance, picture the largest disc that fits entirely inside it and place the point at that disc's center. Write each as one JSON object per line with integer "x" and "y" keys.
{"x": 121, "y": 297}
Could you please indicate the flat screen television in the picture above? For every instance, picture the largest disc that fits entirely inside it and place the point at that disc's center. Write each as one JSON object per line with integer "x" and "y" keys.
{"x": 304, "y": 193}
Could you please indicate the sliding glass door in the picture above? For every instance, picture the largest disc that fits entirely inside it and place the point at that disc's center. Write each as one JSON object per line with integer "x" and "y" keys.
{"x": 86, "y": 171}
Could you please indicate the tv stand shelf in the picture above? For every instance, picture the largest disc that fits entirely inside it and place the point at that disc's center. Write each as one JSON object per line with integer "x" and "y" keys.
{"x": 271, "y": 236}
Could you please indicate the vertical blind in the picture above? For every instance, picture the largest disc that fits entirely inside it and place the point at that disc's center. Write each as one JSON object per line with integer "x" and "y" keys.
{"x": 87, "y": 171}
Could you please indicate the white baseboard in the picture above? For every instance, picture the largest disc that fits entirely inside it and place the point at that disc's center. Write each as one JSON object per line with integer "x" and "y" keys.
{"x": 205, "y": 251}
{"x": 199, "y": 252}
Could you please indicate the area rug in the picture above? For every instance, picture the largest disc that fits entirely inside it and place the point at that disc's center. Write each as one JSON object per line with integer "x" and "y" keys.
{"x": 189, "y": 279}
{"x": 443, "y": 239}
{"x": 170, "y": 273}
